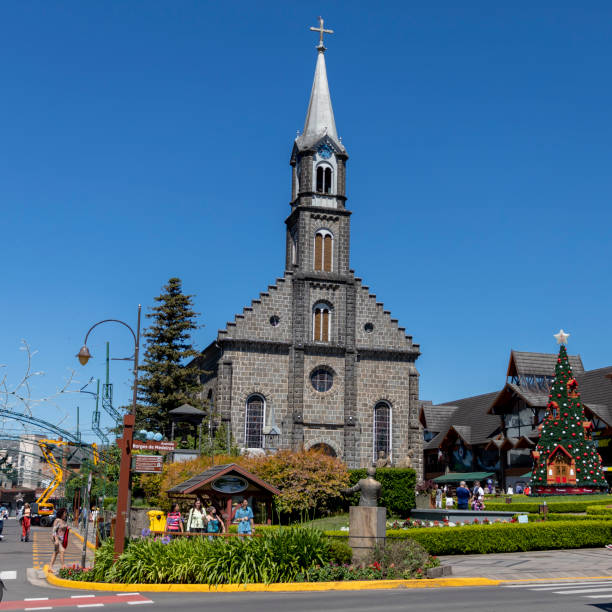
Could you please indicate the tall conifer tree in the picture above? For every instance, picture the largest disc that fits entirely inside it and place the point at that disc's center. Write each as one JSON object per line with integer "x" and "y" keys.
{"x": 566, "y": 456}
{"x": 165, "y": 382}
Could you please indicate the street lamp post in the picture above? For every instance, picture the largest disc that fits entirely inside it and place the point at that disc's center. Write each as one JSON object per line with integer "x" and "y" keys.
{"x": 125, "y": 442}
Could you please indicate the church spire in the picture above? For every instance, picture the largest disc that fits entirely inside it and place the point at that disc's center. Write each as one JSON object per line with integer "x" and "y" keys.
{"x": 320, "y": 116}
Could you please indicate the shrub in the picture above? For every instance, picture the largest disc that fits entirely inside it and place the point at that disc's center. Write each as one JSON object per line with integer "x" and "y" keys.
{"x": 560, "y": 507}
{"x": 602, "y": 510}
{"x": 404, "y": 558}
{"x": 565, "y": 517}
{"x": 510, "y": 537}
{"x": 340, "y": 552}
{"x": 309, "y": 481}
{"x": 397, "y": 493}
{"x": 278, "y": 556}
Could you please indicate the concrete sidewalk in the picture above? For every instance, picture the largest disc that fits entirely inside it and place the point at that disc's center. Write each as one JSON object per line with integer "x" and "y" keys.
{"x": 582, "y": 562}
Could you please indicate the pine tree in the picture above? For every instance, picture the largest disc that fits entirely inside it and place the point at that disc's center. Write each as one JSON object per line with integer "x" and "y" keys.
{"x": 566, "y": 456}
{"x": 166, "y": 383}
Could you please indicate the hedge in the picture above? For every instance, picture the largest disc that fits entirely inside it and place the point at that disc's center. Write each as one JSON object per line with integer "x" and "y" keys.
{"x": 568, "y": 506}
{"x": 551, "y": 516}
{"x": 506, "y": 537}
{"x": 602, "y": 510}
{"x": 397, "y": 494}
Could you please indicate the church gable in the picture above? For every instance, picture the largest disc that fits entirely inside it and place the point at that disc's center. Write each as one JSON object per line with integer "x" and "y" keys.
{"x": 374, "y": 326}
{"x": 268, "y": 318}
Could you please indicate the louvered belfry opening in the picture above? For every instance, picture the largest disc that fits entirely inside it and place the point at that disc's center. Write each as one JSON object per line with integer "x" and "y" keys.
{"x": 323, "y": 252}
{"x": 321, "y": 321}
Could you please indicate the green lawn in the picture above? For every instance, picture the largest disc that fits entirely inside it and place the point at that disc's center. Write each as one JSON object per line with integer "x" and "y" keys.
{"x": 330, "y": 523}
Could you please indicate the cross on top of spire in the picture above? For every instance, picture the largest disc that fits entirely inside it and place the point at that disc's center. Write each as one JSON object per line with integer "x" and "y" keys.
{"x": 321, "y": 30}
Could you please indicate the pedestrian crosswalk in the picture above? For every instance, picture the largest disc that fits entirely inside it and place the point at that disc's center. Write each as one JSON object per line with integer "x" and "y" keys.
{"x": 590, "y": 589}
{"x": 42, "y": 550}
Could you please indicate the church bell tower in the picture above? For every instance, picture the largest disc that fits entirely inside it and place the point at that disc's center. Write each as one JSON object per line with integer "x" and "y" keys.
{"x": 318, "y": 163}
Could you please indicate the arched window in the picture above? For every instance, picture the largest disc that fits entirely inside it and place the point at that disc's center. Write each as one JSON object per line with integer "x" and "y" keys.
{"x": 382, "y": 429}
{"x": 328, "y": 181}
{"x": 321, "y": 323}
{"x": 323, "y": 250}
{"x": 294, "y": 246}
{"x": 320, "y": 179}
{"x": 254, "y": 421}
{"x": 324, "y": 179}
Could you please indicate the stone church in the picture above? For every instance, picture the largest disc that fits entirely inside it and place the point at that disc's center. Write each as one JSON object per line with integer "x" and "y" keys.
{"x": 317, "y": 354}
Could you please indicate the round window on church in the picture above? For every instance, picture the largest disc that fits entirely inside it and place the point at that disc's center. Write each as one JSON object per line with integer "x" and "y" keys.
{"x": 369, "y": 328}
{"x": 322, "y": 379}
{"x": 274, "y": 321}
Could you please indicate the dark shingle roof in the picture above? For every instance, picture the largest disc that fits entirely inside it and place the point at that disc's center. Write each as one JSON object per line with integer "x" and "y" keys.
{"x": 596, "y": 392}
{"x": 470, "y": 420}
{"x": 211, "y": 471}
{"x": 434, "y": 417}
{"x": 542, "y": 364}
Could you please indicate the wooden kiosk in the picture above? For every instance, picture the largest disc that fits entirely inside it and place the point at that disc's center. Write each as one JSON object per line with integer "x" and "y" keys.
{"x": 219, "y": 485}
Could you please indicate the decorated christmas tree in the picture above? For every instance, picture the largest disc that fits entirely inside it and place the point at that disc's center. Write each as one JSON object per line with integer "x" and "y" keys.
{"x": 566, "y": 458}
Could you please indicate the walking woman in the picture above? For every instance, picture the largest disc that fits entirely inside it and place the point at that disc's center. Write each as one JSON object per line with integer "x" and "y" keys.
{"x": 59, "y": 537}
{"x": 215, "y": 524}
{"x": 196, "y": 521}
{"x": 25, "y": 523}
{"x": 174, "y": 521}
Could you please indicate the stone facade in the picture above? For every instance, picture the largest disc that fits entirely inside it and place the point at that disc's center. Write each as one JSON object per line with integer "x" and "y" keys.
{"x": 272, "y": 348}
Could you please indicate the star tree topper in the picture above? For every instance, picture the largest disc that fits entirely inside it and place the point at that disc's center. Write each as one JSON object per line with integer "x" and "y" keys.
{"x": 561, "y": 337}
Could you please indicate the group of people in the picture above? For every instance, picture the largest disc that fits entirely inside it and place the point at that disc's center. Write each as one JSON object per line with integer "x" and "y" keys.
{"x": 208, "y": 520}
{"x": 466, "y": 498}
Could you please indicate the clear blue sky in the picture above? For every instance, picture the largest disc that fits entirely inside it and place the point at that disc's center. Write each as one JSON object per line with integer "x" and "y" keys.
{"x": 144, "y": 140}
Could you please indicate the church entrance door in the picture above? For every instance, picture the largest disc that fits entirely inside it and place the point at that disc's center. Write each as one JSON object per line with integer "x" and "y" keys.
{"x": 326, "y": 449}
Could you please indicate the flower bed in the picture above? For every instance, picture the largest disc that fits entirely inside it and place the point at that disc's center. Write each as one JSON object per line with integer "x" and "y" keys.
{"x": 418, "y": 523}
{"x": 400, "y": 559}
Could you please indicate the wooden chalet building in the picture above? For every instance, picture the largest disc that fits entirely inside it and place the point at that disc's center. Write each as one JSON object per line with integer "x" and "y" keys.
{"x": 496, "y": 432}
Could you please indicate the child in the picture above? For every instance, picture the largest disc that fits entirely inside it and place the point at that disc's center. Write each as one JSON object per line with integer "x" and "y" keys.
{"x": 450, "y": 503}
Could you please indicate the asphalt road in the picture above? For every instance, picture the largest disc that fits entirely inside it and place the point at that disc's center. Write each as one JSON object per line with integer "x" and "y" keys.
{"x": 16, "y": 557}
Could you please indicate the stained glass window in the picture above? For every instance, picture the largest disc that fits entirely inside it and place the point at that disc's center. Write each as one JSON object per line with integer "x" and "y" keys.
{"x": 382, "y": 429}
{"x": 254, "y": 421}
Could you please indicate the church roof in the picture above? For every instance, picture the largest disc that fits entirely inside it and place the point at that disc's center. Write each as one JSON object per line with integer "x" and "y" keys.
{"x": 320, "y": 120}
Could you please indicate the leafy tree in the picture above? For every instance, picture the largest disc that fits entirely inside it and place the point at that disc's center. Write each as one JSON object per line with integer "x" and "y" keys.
{"x": 166, "y": 383}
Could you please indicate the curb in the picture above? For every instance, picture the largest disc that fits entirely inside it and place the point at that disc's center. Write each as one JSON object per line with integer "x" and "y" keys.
{"x": 349, "y": 585}
{"x": 77, "y": 535}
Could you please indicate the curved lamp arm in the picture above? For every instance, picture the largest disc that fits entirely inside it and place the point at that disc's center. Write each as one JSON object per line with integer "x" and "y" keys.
{"x": 108, "y": 321}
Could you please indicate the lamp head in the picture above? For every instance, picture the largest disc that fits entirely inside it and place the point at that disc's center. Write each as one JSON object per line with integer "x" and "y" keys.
{"x": 84, "y": 355}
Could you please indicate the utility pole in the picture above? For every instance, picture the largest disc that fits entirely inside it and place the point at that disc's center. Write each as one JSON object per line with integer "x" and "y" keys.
{"x": 86, "y": 507}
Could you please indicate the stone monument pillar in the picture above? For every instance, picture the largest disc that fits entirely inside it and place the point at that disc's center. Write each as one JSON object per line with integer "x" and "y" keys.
{"x": 367, "y": 522}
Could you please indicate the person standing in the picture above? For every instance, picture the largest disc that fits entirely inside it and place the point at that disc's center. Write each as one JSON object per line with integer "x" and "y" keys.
{"x": 174, "y": 520}
{"x": 477, "y": 496}
{"x": 438, "y": 497}
{"x": 59, "y": 537}
{"x": 244, "y": 516}
{"x": 26, "y": 521}
{"x": 196, "y": 520}
{"x": 214, "y": 523}
{"x": 463, "y": 496}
